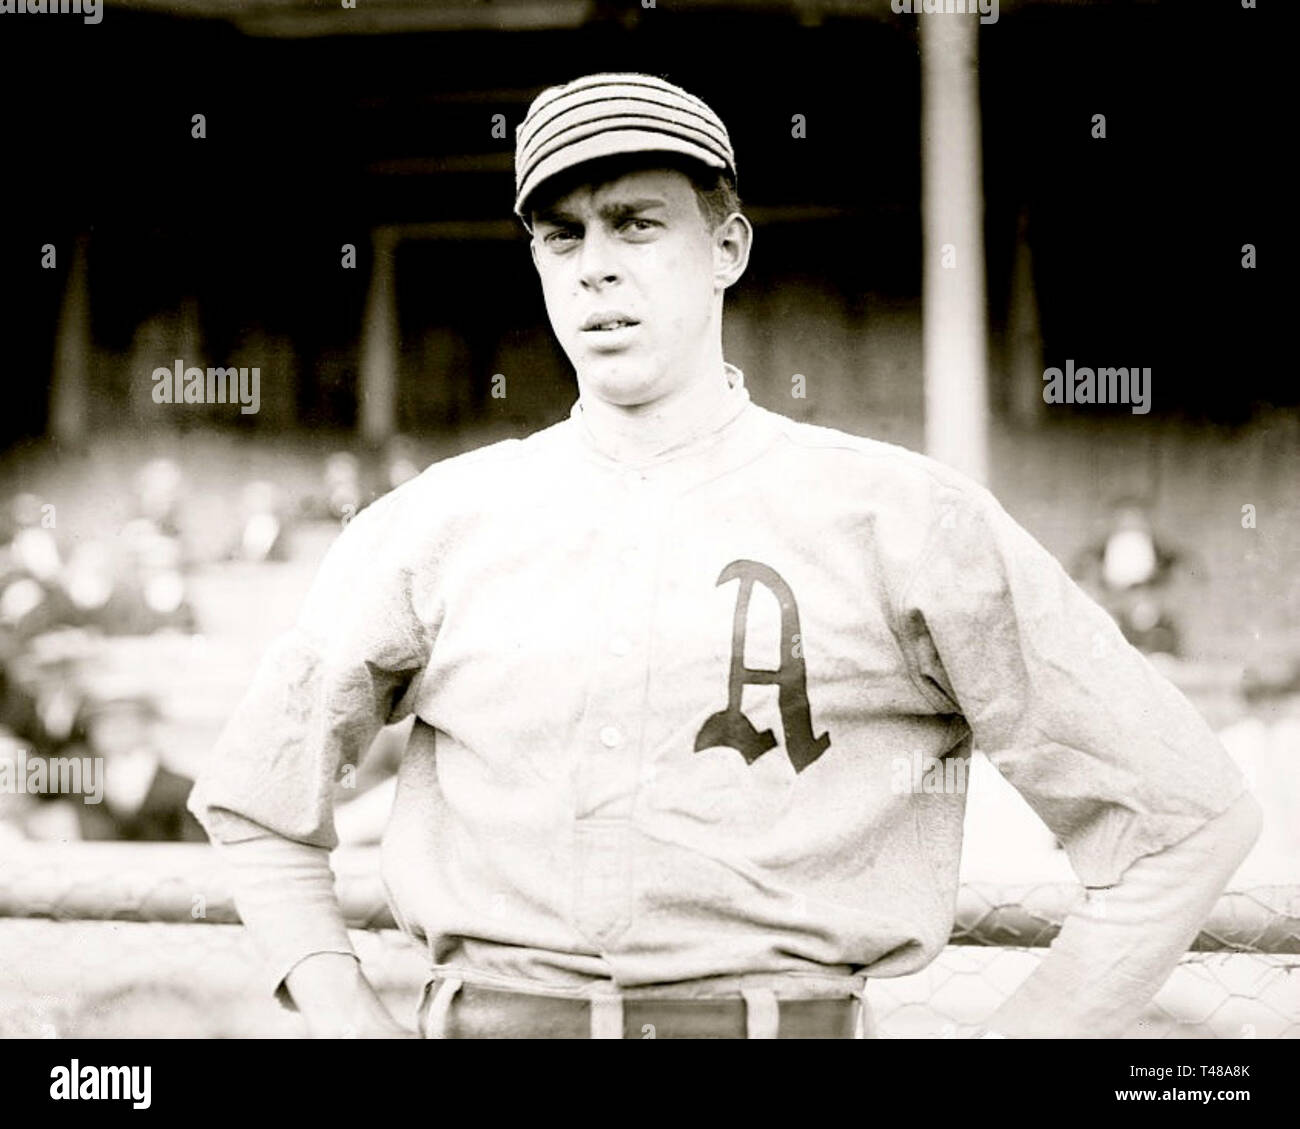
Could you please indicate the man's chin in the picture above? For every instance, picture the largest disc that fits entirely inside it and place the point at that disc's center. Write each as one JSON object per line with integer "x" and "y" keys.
{"x": 617, "y": 382}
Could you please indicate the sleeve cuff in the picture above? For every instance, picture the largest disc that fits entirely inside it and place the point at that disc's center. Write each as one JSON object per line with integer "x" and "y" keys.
{"x": 284, "y": 891}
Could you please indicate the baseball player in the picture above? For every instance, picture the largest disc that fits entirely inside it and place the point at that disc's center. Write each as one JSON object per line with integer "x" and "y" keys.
{"x": 663, "y": 659}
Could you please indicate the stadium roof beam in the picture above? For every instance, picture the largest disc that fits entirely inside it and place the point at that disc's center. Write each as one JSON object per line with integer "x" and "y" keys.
{"x": 305, "y": 19}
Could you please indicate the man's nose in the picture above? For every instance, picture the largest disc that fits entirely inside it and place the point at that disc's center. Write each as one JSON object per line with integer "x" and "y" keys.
{"x": 598, "y": 266}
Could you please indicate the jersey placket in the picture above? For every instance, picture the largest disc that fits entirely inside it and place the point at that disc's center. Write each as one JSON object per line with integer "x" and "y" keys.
{"x": 613, "y": 727}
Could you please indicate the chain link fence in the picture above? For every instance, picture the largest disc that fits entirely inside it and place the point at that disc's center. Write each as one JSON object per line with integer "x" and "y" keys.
{"x": 120, "y": 940}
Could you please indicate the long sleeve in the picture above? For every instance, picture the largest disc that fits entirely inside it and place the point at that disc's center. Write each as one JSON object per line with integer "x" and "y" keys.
{"x": 1150, "y": 808}
{"x": 1108, "y": 753}
{"x": 284, "y": 892}
{"x": 351, "y": 663}
{"x": 1117, "y": 948}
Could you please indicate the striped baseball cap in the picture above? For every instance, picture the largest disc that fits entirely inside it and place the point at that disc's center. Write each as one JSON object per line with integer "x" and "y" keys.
{"x": 606, "y": 115}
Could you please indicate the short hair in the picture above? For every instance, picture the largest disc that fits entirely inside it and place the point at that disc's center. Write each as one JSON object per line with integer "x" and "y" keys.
{"x": 715, "y": 191}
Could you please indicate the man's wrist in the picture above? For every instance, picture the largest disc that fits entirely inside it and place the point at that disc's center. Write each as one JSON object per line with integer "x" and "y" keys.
{"x": 337, "y": 1001}
{"x": 325, "y": 984}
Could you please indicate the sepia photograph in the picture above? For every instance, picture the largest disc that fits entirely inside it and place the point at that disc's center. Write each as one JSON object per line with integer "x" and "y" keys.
{"x": 647, "y": 519}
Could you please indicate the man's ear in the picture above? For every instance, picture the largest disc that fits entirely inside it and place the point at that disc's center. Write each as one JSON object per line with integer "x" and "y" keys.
{"x": 732, "y": 240}
{"x": 532, "y": 250}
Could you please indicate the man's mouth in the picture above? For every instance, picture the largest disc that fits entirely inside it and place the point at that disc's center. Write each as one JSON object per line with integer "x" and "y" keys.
{"x": 605, "y": 322}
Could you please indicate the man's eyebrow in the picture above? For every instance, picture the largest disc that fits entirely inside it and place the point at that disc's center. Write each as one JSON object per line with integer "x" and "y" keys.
{"x": 559, "y": 217}
{"x": 624, "y": 207}
{"x": 555, "y": 215}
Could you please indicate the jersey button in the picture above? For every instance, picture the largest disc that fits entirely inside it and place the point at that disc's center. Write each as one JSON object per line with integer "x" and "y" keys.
{"x": 610, "y": 736}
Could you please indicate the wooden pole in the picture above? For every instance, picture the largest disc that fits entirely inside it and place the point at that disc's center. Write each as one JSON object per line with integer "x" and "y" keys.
{"x": 377, "y": 384}
{"x": 1024, "y": 352}
{"x": 69, "y": 381}
{"x": 953, "y": 293}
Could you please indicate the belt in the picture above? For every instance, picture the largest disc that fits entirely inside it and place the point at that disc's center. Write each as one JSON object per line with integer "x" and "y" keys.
{"x": 451, "y": 1009}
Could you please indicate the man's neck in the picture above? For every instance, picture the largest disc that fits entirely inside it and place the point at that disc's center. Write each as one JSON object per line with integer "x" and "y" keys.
{"x": 636, "y": 434}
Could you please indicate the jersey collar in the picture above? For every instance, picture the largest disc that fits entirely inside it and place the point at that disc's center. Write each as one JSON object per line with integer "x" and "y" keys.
{"x": 703, "y": 436}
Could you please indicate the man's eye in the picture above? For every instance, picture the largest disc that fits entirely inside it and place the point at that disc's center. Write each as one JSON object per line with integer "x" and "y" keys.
{"x": 560, "y": 238}
{"x": 637, "y": 225}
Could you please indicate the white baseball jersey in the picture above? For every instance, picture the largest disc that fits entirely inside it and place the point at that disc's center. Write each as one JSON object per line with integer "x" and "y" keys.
{"x": 706, "y": 715}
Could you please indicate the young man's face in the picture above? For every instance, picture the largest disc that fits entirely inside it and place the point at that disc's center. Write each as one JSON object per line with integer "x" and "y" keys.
{"x": 631, "y": 274}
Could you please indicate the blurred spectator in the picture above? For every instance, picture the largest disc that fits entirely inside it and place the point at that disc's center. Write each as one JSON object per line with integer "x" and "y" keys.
{"x": 153, "y": 566}
{"x": 31, "y": 543}
{"x": 343, "y": 493}
{"x": 31, "y": 598}
{"x": 135, "y": 591}
{"x": 143, "y": 798}
{"x": 348, "y": 487}
{"x": 400, "y": 462}
{"x": 89, "y": 578}
{"x": 264, "y": 532}
{"x": 158, "y": 495}
{"x": 16, "y": 808}
{"x": 1129, "y": 573}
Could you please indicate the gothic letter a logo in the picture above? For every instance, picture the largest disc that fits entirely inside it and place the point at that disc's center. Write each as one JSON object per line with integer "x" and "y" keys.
{"x": 730, "y": 728}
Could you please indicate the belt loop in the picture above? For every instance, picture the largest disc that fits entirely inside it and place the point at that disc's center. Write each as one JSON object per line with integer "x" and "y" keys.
{"x": 866, "y": 1025}
{"x": 762, "y": 1013}
{"x": 606, "y": 1015}
{"x": 436, "y": 1025}
{"x": 423, "y": 1003}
